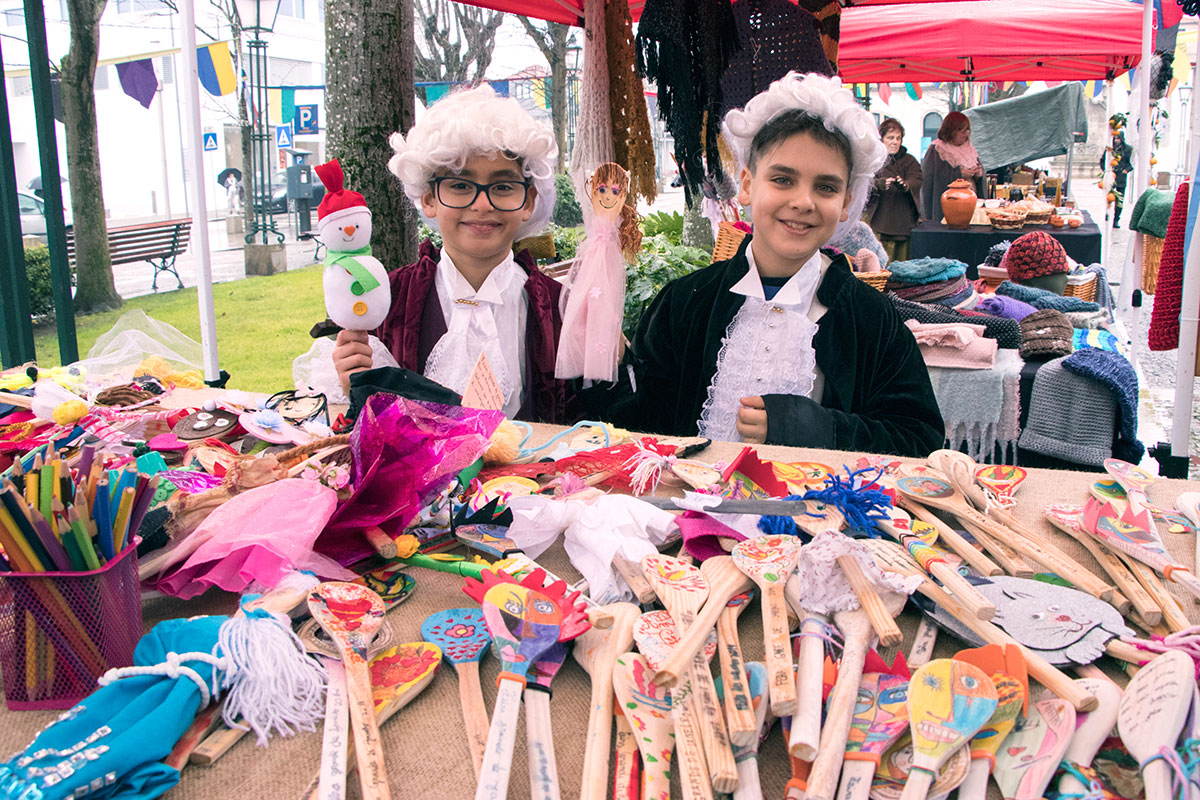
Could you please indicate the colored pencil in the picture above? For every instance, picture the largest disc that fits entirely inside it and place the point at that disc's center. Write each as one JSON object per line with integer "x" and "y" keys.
{"x": 78, "y": 563}
{"x": 83, "y": 541}
{"x": 101, "y": 514}
{"x": 141, "y": 504}
{"x": 31, "y": 489}
{"x": 86, "y": 454}
{"x": 51, "y": 544}
{"x": 121, "y": 522}
{"x": 18, "y": 552}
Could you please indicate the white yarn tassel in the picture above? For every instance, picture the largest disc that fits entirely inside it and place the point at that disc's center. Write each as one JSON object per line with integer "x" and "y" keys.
{"x": 273, "y": 684}
{"x": 593, "y": 142}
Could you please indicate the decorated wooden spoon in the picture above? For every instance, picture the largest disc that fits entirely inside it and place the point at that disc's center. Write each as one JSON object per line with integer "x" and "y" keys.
{"x": 896, "y": 765}
{"x": 948, "y": 702}
{"x": 1152, "y": 714}
{"x": 804, "y": 730}
{"x": 1002, "y": 480}
{"x": 769, "y": 561}
{"x": 351, "y": 614}
{"x": 1069, "y": 520}
{"x": 1134, "y": 480}
{"x": 682, "y": 589}
{"x": 919, "y": 538}
{"x": 464, "y": 638}
{"x": 739, "y": 710}
{"x": 1091, "y": 729}
{"x": 746, "y": 756}
{"x": 1137, "y": 541}
{"x": 880, "y": 717}
{"x": 1006, "y": 666}
{"x": 656, "y": 636}
{"x": 1032, "y": 752}
{"x": 647, "y": 706}
{"x": 539, "y": 736}
{"x": 597, "y": 652}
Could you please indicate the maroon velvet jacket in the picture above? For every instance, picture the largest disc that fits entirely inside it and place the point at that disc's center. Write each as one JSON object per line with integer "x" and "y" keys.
{"x": 415, "y": 324}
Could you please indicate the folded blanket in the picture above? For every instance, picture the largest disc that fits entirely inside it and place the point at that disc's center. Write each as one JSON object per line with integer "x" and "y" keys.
{"x": 926, "y": 270}
{"x": 939, "y": 292}
{"x": 1070, "y": 416}
{"x": 1115, "y": 373}
{"x": 954, "y": 345}
{"x": 1151, "y": 212}
{"x": 1006, "y": 332}
{"x": 981, "y": 407}
{"x": 1040, "y": 298}
{"x": 999, "y": 305}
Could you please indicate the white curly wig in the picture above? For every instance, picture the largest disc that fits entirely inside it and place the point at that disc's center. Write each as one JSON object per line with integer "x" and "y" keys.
{"x": 823, "y": 97}
{"x": 476, "y": 122}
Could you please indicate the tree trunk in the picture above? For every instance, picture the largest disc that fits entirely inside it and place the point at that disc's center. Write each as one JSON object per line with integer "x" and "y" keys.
{"x": 93, "y": 266}
{"x": 558, "y": 107}
{"x": 369, "y": 96}
{"x": 245, "y": 127}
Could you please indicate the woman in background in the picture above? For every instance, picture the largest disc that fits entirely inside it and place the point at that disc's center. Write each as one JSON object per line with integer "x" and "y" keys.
{"x": 950, "y": 157}
{"x": 892, "y": 209}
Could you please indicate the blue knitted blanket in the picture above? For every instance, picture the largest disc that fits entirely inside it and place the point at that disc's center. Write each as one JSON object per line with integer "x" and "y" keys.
{"x": 1040, "y": 298}
{"x": 1116, "y": 373}
{"x": 927, "y": 270}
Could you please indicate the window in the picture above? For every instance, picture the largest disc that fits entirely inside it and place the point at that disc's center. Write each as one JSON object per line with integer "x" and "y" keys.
{"x": 139, "y": 6}
{"x": 14, "y": 17}
{"x": 291, "y": 8}
{"x": 101, "y": 77}
{"x": 931, "y": 125}
{"x": 22, "y": 86}
{"x": 288, "y": 72}
{"x": 168, "y": 70}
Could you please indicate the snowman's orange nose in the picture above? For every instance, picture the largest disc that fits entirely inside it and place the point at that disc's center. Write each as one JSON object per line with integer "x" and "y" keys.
{"x": 349, "y": 229}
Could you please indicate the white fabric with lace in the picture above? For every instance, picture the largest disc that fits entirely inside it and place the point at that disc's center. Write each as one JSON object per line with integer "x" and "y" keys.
{"x": 825, "y": 586}
{"x": 767, "y": 348}
{"x": 490, "y": 321}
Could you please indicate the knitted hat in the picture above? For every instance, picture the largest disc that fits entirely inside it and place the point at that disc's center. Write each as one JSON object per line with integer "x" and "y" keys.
{"x": 1046, "y": 334}
{"x": 1034, "y": 254}
{"x": 996, "y": 253}
{"x": 337, "y": 197}
{"x": 1114, "y": 372}
{"x": 1070, "y": 416}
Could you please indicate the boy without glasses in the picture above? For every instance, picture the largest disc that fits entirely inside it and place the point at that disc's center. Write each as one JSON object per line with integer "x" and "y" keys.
{"x": 782, "y": 344}
{"x": 480, "y": 170}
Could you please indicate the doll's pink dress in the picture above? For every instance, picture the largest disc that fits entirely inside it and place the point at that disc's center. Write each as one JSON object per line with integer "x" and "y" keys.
{"x": 589, "y": 342}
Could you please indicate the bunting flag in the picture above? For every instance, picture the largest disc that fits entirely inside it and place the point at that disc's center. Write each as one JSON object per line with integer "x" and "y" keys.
{"x": 541, "y": 94}
{"x": 281, "y": 105}
{"x": 500, "y": 88}
{"x": 914, "y": 90}
{"x": 435, "y": 92}
{"x": 138, "y": 80}
{"x": 1126, "y": 80}
{"x": 885, "y": 93}
{"x": 215, "y": 69}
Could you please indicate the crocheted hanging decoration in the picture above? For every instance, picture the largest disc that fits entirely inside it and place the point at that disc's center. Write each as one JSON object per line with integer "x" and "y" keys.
{"x": 633, "y": 144}
{"x": 828, "y": 15}
{"x": 1164, "y": 319}
{"x": 593, "y": 140}
{"x": 778, "y": 37}
{"x": 684, "y": 46}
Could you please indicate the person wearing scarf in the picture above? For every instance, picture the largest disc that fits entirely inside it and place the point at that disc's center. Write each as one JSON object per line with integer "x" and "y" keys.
{"x": 892, "y": 209}
{"x": 950, "y": 157}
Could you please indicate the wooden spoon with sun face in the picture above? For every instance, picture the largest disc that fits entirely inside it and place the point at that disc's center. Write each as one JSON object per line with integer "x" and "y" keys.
{"x": 769, "y": 561}
{"x": 351, "y": 614}
{"x": 648, "y": 709}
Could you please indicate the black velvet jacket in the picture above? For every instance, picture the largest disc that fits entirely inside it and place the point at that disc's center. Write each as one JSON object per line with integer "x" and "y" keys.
{"x": 877, "y": 396}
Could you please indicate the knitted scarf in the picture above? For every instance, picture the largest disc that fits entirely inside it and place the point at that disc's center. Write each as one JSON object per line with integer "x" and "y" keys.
{"x": 1168, "y": 298}
{"x": 364, "y": 281}
{"x": 633, "y": 146}
{"x": 981, "y": 407}
{"x": 962, "y": 156}
{"x": 1040, "y": 298}
{"x": 1116, "y": 374}
{"x": 684, "y": 47}
{"x": 927, "y": 270}
{"x": 828, "y": 22}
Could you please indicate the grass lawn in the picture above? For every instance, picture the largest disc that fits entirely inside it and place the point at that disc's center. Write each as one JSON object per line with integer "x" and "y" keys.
{"x": 262, "y": 324}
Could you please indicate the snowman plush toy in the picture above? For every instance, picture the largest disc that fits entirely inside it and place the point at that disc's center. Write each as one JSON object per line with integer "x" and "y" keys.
{"x": 357, "y": 294}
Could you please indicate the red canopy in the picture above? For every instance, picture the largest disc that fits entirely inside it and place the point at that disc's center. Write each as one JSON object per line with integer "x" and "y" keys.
{"x": 989, "y": 40}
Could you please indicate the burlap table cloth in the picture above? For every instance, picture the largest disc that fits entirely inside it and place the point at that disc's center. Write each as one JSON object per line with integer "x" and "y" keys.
{"x": 425, "y": 748}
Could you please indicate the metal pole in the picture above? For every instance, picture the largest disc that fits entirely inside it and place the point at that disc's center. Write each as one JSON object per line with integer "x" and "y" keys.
{"x": 1189, "y": 311}
{"x": 1131, "y": 274}
{"x": 16, "y": 330}
{"x": 193, "y": 134}
{"x": 56, "y": 232}
{"x": 260, "y": 140}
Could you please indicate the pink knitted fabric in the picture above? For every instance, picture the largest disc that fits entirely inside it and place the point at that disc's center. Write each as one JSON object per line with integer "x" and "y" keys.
{"x": 1168, "y": 297}
{"x": 954, "y": 345}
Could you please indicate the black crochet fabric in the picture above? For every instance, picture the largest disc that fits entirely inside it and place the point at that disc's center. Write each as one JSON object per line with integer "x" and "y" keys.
{"x": 778, "y": 37}
{"x": 996, "y": 253}
{"x": 1006, "y": 332}
{"x": 684, "y": 46}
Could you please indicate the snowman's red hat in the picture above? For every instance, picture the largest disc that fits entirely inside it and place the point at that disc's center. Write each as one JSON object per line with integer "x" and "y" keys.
{"x": 337, "y": 197}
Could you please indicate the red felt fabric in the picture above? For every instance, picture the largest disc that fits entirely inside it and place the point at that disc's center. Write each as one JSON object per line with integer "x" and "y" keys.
{"x": 1168, "y": 296}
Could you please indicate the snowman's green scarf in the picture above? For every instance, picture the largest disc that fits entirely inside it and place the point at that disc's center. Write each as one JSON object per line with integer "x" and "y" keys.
{"x": 364, "y": 281}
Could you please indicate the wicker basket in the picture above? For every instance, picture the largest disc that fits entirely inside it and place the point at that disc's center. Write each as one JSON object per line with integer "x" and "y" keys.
{"x": 993, "y": 276}
{"x": 1006, "y": 219}
{"x": 1038, "y": 217}
{"x": 1152, "y": 248}
{"x": 729, "y": 239}
{"x": 876, "y": 280}
{"x": 1084, "y": 288}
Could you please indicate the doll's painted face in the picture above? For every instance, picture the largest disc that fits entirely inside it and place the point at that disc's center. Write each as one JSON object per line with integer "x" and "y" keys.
{"x": 609, "y": 188}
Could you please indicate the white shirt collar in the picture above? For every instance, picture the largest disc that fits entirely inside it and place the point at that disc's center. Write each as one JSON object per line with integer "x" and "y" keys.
{"x": 494, "y": 286}
{"x": 798, "y": 292}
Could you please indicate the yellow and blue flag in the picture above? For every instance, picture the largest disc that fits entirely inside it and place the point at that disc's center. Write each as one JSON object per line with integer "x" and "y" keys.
{"x": 215, "y": 68}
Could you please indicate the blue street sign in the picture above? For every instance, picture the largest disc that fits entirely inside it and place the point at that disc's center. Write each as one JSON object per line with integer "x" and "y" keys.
{"x": 283, "y": 135}
{"x": 306, "y": 119}
{"x": 210, "y": 141}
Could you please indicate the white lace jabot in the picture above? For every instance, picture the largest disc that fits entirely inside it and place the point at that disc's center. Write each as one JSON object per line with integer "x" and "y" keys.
{"x": 767, "y": 348}
{"x": 490, "y": 321}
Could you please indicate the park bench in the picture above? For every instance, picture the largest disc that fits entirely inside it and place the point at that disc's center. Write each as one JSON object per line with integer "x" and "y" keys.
{"x": 157, "y": 242}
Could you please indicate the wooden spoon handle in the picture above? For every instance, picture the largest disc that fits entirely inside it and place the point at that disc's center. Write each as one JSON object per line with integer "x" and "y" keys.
{"x": 1005, "y": 556}
{"x": 335, "y": 736}
{"x": 1172, "y": 615}
{"x": 656, "y": 782}
{"x": 217, "y": 744}
{"x": 206, "y": 719}
{"x": 475, "y": 718}
{"x": 806, "y": 722}
{"x": 632, "y": 574}
{"x": 596, "y": 748}
{"x": 778, "y": 647}
{"x": 922, "y": 646}
{"x": 1186, "y": 581}
{"x": 951, "y": 538}
{"x": 917, "y": 786}
{"x": 693, "y": 770}
{"x": 749, "y": 787}
{"x": 502, "y": 736}
{"x": 368, "y": 749}
{"x": 722, "y": 769}
{"x": 1157, "y": 777}
{"x": 822, "y": 780}
{"x": 856, "y": 779}
{"x": 691, "y": 642}
{"x": 626, "y": 772}
{"x": 539, "y": 738}
{"x": 881, "y": 619}
{"x": 961, "y": 588}
{"x": 975, "y": 785}
{"x": 739, "y": 709}
{"x": 1120, "y": 575}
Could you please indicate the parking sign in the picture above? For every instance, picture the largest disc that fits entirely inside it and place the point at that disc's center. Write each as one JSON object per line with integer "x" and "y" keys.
{"x": 306, "y": 119}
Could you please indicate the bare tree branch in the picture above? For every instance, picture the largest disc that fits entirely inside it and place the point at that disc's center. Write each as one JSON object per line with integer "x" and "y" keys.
{"x": 455, "y": 41}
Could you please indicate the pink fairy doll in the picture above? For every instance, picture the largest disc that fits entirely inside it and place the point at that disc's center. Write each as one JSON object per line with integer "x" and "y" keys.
{"x": 589, "y": 345}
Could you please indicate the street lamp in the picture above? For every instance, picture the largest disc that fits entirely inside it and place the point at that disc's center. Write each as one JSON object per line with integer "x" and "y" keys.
{"x": 258, "y": 17}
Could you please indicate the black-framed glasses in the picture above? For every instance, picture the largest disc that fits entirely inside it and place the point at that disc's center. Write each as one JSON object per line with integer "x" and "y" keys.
{"x": 456, "y": 192}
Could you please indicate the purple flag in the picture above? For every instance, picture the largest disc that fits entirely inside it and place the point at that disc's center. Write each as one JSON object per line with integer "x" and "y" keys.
{"x": 138, "y": 80}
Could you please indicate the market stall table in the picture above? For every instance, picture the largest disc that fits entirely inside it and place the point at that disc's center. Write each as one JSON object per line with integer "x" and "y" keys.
{"x": 935, "y": 240}
{"x": 424, "y": 745}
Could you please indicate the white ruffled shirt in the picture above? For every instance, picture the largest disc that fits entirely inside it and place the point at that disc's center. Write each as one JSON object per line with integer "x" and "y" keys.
{"x": 490, "y": 321}
{"x": 767, "y": 348}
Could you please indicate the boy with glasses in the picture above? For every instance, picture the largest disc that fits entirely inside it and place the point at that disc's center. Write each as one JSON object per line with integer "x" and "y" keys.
{"x": 480, "y": 170}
